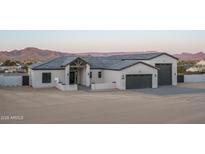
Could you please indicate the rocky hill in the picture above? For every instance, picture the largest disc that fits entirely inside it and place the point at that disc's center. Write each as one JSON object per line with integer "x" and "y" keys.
{"x": 30, "y": 54}
{"x": 35, "y": 54}
{"x": 189, "y": 56}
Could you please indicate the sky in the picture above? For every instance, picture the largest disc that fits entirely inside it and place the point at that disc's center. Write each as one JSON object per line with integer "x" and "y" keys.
{"x": 79, "y": 41}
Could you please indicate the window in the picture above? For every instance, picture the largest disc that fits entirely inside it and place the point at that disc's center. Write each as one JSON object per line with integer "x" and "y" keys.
{"x": 46, "y": 77}
{"x": 90, "y": 74}
{"x": 99, "y": 75}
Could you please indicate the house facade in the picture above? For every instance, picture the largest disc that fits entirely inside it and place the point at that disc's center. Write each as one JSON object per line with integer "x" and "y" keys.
{"x": 133, "y": 71}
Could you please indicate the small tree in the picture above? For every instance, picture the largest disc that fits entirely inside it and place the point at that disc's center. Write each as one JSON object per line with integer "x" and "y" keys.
{"x": 9, "y": 63}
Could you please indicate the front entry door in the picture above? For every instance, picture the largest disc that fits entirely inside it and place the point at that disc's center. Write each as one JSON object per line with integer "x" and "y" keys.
{"x": 72, "y": 77}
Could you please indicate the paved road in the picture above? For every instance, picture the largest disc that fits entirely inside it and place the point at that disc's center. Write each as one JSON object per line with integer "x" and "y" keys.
{"x": 182, "y": 104}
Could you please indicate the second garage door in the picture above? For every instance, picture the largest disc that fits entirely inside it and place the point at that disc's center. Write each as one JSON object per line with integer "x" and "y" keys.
{"x": 137, "y": 81}
{"x": 164, "y": 74}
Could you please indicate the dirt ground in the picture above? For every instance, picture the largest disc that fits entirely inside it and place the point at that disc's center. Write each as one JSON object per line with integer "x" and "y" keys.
{"x": 182, "y": 104}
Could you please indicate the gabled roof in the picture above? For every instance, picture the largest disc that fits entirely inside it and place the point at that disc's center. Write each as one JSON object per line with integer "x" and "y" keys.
{"x": 55, "y": 64}
{"x": 100, "y": 62}
{"x": 116, "y": 62}
{"x": 141, "y": 56}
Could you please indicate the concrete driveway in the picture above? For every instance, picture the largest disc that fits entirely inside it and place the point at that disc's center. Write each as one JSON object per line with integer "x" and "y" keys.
{"x": 182, "y": 104}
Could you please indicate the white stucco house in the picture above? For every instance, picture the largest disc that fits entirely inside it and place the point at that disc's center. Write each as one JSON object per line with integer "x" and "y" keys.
{"x": 133, "y": 71}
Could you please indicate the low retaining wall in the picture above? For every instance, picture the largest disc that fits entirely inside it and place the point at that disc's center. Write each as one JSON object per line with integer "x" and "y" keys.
{"x": 103, "y": 86}
{"x": 194, "y": 78}
{"x": 67, "y": 87}
{"x": 10, "y": 80}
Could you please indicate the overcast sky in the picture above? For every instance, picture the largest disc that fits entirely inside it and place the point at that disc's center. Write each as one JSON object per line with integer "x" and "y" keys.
{"x": 105, "y": 41}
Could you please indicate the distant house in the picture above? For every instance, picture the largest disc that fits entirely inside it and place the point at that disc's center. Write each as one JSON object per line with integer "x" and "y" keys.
{"x": 8, "y": 69}
{"x": 199, "y": 67}
{"x": 133, "y": 71}
{"x": 11, "y": 69}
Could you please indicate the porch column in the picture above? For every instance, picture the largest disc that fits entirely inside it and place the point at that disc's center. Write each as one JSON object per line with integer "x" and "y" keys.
{"x": 87, "y": 75}
{"x": 67, "y": 75}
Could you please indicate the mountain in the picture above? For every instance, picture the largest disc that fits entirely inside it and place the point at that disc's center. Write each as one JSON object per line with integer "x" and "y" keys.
{"x": 189, "y": 56}
{"x": 34, "y": 54}
{"x": 30, "y": 54}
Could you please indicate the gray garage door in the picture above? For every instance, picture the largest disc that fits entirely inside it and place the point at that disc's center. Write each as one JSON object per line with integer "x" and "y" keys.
{"x": 164, "y": 74}
{"x": 138, "y": 81}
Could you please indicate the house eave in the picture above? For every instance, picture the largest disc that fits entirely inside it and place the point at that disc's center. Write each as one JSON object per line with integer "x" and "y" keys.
{"x": 48, "y": 69}
{"x": 128, "y": 67}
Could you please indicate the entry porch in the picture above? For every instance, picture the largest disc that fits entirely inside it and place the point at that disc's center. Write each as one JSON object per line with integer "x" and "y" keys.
{"x": 77, "y": 73}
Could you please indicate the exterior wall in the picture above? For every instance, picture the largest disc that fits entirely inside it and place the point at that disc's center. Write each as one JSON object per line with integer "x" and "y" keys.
{"x": 1, "y": 80}
{"x": 82, "y": 76}
{"x": 165, "y": 59}
{"x": 87, "y": 75}
{"x": 79, "y": 72}
{"x": 111, "y": 76}
{"x": 61, "y": 87}
{"x": 67, "y": 75}
{"x": 194, "y": 78}
{"x": 95, "y": 78}
{"x": 30, "y": 79}
{"x": 36, "y": 77}
{"x": 11, "y": 80}
{"x": 103, "y": 86}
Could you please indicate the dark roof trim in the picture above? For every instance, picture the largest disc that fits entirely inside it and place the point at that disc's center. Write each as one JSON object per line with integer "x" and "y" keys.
{"x": 105, "y": 68}
{"x": 43, "y": 63}
{"x": 164, "y": 53}
{"x": 128, "y": 66}
{"x": 97, "y": 68}
{"x": 140, "y": 63}
{"x": 74, "y": 60}
{"x": 48, "y": 69}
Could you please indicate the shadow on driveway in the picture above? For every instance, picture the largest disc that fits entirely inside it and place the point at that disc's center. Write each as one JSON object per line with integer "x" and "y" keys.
{"x": 170, "y": 90}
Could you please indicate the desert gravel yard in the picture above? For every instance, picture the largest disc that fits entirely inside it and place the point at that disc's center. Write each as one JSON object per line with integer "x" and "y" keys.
{"x": 182, "y": 104}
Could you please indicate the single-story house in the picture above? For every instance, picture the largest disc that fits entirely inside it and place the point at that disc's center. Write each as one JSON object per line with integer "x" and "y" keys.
{"x": 132, "y": 71}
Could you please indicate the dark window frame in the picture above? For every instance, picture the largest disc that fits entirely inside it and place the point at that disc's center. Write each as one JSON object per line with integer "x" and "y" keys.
{"x": 91, "y": 75}
{"x": 46, "y": 77}
{"x": 99, "y": 75}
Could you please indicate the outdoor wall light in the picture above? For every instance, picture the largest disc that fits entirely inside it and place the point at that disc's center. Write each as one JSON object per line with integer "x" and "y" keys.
{"x": 155, "y": 75}
{"x": 123, "y": 76}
